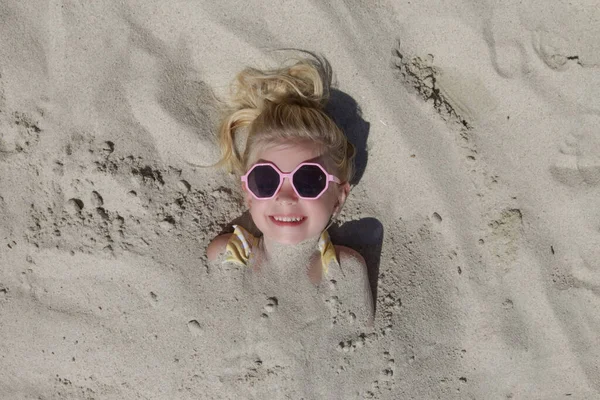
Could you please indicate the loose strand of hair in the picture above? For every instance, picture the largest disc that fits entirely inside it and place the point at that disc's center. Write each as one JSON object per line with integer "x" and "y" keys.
{"x": 227, "y": 137}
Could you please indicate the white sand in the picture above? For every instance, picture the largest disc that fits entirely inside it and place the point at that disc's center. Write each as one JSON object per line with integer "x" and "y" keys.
{"x": 478, "y": 209}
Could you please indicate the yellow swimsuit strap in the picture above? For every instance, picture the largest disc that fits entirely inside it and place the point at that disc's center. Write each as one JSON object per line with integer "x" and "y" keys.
{"x": 240, "y": 246}
{"x": 327, "y": 250}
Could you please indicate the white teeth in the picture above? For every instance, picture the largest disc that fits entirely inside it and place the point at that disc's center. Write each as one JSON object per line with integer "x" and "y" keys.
{"x": 288, "y": 219}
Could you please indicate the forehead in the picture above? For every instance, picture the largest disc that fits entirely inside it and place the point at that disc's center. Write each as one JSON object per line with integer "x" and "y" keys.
{"x": 287, "y": 156}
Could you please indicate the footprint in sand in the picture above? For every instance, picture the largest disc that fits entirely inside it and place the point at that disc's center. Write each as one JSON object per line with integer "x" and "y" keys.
{"x": 577, "y": 166}
{"x": 578, "y": 161}
{"x": 555, "y": 51}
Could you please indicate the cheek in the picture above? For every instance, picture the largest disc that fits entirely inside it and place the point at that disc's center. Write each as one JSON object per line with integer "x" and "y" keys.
{"x": 329, "y": 199}
{"x": 260, "y": 208}
{"x": 257, "y": 213}
{"x": 322, "y": 206}
{"x": 257, "y": 206}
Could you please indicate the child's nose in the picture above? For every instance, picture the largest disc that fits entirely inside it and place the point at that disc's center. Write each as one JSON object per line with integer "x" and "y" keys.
{"x": 287, "y": 193}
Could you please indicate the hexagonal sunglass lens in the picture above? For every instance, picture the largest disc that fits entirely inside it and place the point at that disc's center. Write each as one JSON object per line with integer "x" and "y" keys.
{"x": 310, "y": 181}
{"x": 263, "y": 181}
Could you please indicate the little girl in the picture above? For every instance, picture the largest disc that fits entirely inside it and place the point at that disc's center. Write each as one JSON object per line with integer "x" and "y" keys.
{"x": 294, "y": 172}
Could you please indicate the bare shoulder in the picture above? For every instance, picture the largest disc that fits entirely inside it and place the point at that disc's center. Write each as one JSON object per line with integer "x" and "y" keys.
{"x": 217, "y": 246}
{"x": 346, "y": 255}
{"x": 351, "y": 262}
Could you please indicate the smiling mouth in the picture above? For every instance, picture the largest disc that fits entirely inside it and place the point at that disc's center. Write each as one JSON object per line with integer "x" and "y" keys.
{"x": 287, "y": 220}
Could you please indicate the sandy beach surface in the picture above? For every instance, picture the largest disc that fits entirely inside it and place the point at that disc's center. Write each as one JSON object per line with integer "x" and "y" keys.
{"x": 476, "y": 203}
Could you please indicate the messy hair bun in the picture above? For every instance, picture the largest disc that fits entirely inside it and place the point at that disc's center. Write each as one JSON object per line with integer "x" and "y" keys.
{"x": 282, "y": 106}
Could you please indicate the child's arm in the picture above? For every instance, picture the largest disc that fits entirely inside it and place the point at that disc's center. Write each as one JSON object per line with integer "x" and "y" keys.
{"x": 217, "y": 247}
{"x": 354, "y": 268}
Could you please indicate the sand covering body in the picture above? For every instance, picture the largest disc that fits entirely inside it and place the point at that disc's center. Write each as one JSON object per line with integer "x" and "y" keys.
{"x": 241, "y": 243}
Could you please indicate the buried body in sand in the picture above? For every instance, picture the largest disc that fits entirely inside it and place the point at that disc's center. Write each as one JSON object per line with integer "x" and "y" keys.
{"x": 295, "y": 292}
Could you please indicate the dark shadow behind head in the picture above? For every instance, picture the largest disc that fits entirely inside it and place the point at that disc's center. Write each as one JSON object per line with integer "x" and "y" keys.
{"x": 342, "y": 108}
{"x": 346, "y": 113}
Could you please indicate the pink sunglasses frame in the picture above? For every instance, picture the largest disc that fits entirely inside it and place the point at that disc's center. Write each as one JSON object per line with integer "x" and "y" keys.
{"x": 282, "y": 176}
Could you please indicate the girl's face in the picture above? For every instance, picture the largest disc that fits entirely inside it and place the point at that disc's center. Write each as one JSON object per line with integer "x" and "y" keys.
{"x": 315, "y": 214}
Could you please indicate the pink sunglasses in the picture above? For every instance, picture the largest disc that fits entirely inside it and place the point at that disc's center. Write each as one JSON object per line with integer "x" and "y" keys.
{"x": 309, "y": 180}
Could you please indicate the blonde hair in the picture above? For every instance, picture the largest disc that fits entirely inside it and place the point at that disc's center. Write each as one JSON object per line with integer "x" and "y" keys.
{"x": 283, "y": 106}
